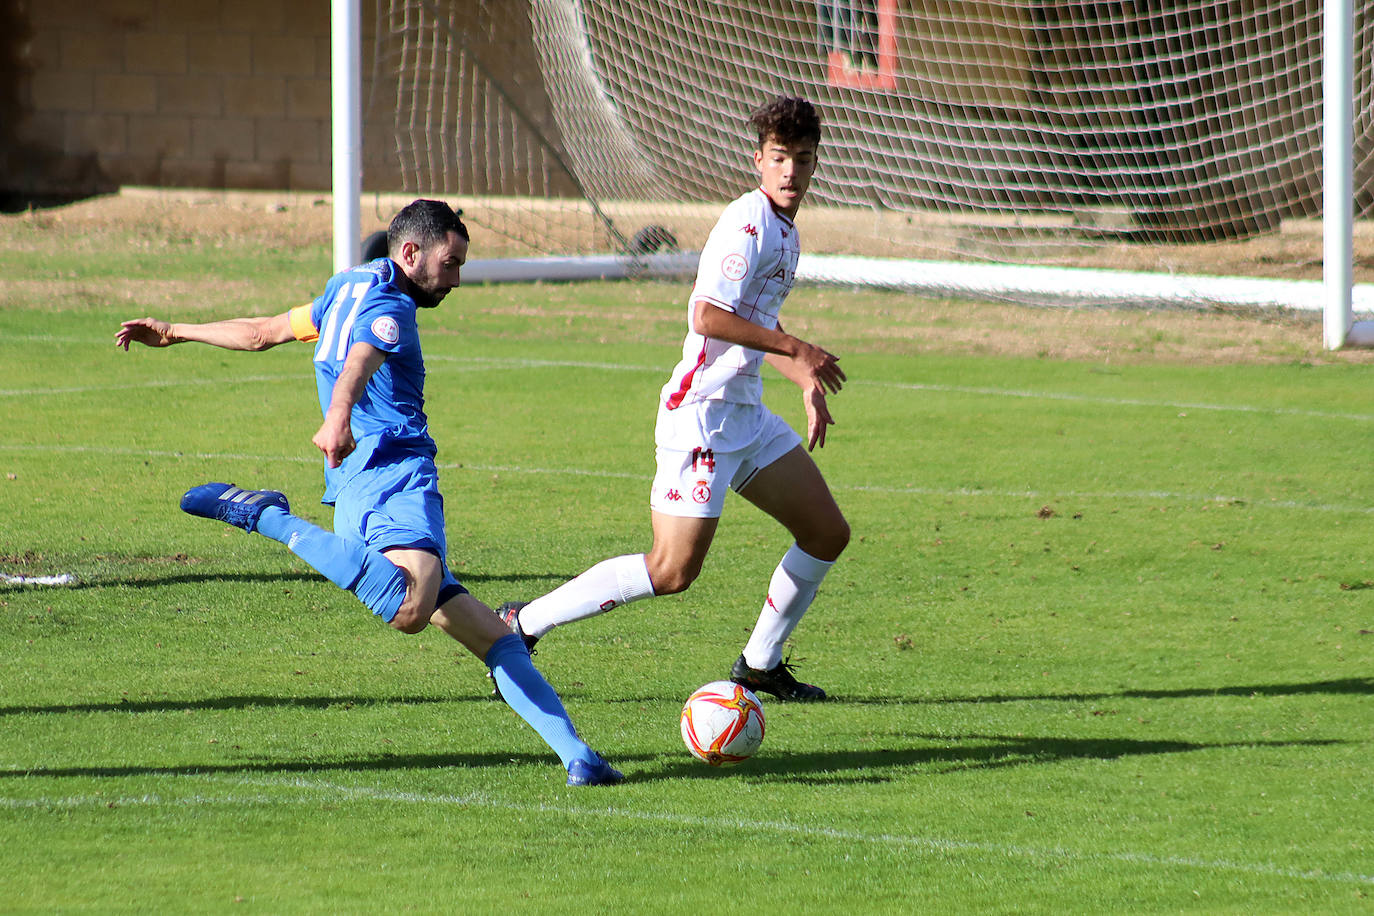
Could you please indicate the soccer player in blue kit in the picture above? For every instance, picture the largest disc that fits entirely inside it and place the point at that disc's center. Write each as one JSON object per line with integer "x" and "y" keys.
{"x": 388, "y": 546}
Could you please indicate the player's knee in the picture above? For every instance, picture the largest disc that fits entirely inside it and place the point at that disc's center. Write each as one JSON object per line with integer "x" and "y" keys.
{"x": 827, "y": 543}
{"x": 409, "y": 620}
{"x": 672, "y": 579}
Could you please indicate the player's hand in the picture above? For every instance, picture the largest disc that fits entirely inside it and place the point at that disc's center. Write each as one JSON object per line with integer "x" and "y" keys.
{"x": 335, "y": 439}
{"x": 148, "y": 331}
{"x": 817, "y": 418}
{"x": 822, "y": 366}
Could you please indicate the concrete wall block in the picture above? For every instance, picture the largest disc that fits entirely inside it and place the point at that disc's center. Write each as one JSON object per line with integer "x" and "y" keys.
{"x": 267, "y": 16}
{"x": 128, "y": 14}
{"x": 159, "y": 136}
{"x": 42, "y": 51}
{"x": 155, "y": 52}
{"x": 42, "y": 129}
{"x": 191, "y": 15}
{"x": 258, "y": 176}
{"x": 311, "y": 176}
{"x": 255, "y": 96}
{"x": 296, "y": 140}
{"x": 283, "y": 55}
{"x": 230, "y": 139}
{"x": 63, "y": 91}
{"x": 90, "y": 50}
{"x": 104, "y": 135}
{"x": 308, "y": 98}
{"x": 220, "y": 54}
{"x": 121, "y": 93}
{"x": 194, "y": 173}
{"x": 202, "y": 96}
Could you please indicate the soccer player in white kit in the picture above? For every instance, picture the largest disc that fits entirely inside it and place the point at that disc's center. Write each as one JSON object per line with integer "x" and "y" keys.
{"x": 713, "y": 431}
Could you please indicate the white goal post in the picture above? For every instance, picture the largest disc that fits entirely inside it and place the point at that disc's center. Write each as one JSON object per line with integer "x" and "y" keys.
{"x": 1017, "y": 149}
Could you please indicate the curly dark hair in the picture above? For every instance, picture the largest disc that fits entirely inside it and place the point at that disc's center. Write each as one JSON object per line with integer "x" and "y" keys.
{"x": 787, "y": 119}
{"x": 426, "y": 223}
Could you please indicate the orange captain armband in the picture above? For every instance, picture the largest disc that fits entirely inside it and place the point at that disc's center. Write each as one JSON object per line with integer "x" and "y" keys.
{"x": 301, "y": 325}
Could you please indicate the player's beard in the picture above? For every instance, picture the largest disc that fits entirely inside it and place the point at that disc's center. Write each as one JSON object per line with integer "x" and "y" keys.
{"x": 426, "y": 298}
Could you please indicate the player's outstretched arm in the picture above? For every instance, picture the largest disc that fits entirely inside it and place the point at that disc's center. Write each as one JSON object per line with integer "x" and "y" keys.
{"x": 231, "y": 334}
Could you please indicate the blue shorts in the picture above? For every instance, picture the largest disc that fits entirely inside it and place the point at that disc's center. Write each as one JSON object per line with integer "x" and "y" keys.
{"x": 397, "y": 503}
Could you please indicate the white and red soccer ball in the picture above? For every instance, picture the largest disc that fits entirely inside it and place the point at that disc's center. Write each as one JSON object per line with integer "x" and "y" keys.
{"x": 722, "y": 723}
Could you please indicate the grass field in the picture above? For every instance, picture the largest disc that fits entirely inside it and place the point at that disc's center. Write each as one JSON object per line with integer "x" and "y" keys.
{"x": 1101, "y": 643}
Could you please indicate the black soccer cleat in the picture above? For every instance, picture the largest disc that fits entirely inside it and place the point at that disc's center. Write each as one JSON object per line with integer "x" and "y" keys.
{"x": 510, "y": 616}
{"x": 777, "y": 680}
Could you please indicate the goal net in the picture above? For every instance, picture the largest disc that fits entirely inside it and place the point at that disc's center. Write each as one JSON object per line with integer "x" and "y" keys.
{"x": 974, "y": 138}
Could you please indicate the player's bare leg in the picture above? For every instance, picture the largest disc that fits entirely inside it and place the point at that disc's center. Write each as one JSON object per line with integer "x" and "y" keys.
{"x": 792, "y": 491}
{"x": 679, "y": 551}
{"x": 671, "y": 565}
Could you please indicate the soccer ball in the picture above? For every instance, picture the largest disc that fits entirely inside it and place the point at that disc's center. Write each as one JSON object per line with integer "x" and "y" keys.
{"x": 722, "y": 723}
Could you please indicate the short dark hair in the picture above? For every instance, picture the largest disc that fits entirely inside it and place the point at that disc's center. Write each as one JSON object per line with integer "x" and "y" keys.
{"x": 426, "y": 223}
{"x": 788, "y": 120}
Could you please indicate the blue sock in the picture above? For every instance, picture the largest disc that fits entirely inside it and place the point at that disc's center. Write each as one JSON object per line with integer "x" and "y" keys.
{"x": 525, "y": 691}
{"x": 375, "y": 580}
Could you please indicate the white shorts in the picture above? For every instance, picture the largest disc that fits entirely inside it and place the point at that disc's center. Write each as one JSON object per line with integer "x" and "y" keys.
{"x": 702, "y": 448}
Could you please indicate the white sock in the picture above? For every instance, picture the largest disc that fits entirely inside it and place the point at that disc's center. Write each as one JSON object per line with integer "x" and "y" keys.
{"x": 608, "y": 584}
{"x": 790, "y": 593}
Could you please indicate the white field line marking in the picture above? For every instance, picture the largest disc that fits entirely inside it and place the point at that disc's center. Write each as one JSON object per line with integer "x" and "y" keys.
{"x": 470, "y": 364}
{"x": 947, "y": 493}
{"x": 63, "y": 579}
{"x": 332, "y": 792}
{"x": 1118, "y": 402}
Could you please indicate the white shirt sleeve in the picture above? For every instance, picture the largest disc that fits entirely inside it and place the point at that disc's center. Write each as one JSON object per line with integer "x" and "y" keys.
{"x": 731, "y": 255}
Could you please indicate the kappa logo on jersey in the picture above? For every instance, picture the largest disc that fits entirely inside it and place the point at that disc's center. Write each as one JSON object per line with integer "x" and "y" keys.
{"x": 750, "y": 229}
{"x": 386, "y": 329}
{"x": 701, "y": 493}
{"x": 734, "y": 267}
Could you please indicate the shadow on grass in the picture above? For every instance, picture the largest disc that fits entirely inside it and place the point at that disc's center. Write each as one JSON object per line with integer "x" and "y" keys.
{"x": 1353, "y": 685}
{"x": 236, "y": 702}
{"x": 954, "y": 753}
{"x": 101, "y": 582}
{"x": 946, "y": 754}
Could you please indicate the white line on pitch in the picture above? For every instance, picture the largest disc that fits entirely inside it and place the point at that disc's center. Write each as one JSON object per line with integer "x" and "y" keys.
{"x": 328, "y": 791}
{"x": 467, "y": 363}
{"x": 1118, "y": 402}
{"x": 953, "y": 492}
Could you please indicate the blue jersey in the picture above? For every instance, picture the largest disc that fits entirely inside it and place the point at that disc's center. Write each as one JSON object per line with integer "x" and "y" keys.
{"x": 368, "y": 304}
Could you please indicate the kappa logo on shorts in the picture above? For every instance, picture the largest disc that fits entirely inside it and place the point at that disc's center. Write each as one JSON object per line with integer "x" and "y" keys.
{"x": 673, "y": 496}
{"x": 701, "y": 493}
{"x": 386, "y": 329}
{"x": 734, "y": 267}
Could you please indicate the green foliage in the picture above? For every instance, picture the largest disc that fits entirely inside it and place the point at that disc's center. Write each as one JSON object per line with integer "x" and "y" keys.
{"x": 1101, "y": 641}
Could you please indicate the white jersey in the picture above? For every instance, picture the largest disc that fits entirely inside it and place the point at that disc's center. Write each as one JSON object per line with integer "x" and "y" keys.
{"x": 747, "y": 267}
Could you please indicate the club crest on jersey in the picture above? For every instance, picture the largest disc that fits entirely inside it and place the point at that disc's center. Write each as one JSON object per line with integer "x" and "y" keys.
{"x": 734, "y": 267}
{"x": 386, "y": 329}
{"x": 701, "y": 493}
